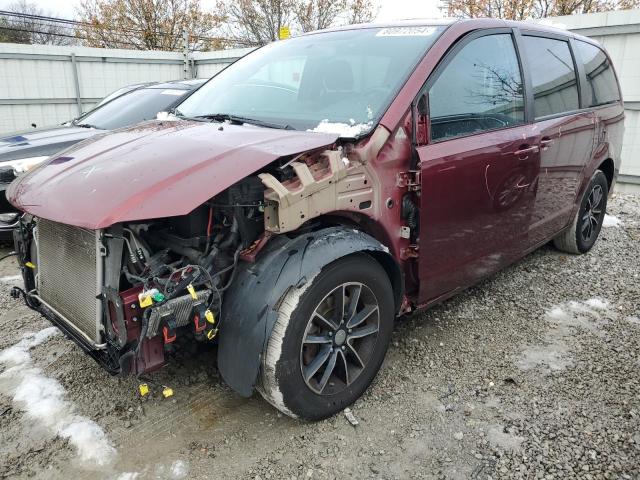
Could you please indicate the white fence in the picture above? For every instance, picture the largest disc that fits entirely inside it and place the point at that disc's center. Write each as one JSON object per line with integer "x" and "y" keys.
{"x": 48, "y": 85}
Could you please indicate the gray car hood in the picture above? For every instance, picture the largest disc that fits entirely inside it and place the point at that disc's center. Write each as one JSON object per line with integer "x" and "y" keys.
{"x": 42, "y": 142}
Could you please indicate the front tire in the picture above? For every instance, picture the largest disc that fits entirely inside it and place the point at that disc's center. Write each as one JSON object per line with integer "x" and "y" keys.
{"x": 329, "y": 340}
{"x": 585, "y": 228}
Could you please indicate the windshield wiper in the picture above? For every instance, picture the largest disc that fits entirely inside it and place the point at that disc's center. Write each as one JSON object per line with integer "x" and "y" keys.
{"x": 86, "y": 125}
{"x": 221, "y": 117}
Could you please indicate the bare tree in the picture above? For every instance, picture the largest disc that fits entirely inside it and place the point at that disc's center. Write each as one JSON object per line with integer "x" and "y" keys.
{"x": 361, "y": 11}
{"x": 31, "y": 24}
{"x": 256, "y": 21}
{"x": 12, "y": 35}
{"x": 318, "y": 14}
{"x": 259, "y": 21}
{"x": 147, "y": 24}
{"x": 523, "y": 9}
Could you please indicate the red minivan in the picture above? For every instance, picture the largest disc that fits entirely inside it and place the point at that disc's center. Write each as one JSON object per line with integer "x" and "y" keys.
{"x": 316, "y": 189}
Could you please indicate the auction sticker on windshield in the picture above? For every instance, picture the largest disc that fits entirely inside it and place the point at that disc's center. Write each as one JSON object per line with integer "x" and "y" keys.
{"x": 418, "y": 31}
{"x": 175, "y": 92}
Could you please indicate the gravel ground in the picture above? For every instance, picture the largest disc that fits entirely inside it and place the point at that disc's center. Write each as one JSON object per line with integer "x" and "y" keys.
{"x": 531, "y": 374}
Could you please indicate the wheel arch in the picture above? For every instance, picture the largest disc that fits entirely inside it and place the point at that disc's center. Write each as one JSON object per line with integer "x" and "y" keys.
{"x": 250, "y": 307}
{"x": 608, "y": 168}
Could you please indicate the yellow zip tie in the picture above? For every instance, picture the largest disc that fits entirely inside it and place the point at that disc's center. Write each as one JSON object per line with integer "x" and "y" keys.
{"x": 211, "y": 334}
{"x": 144, "y": 389}
{"x": 192, "y": 291}
{"x": 167, "y": 392}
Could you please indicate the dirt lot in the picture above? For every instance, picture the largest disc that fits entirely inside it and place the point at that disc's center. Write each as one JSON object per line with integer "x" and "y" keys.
{"x": 532, "y": 374}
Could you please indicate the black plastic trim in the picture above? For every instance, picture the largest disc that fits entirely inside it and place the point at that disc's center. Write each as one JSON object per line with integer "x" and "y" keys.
{"x": 251, "y": 305}
{"x": 106, "y": 358}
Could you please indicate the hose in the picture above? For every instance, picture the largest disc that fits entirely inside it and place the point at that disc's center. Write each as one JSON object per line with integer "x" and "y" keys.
{"x": 11, "y": 254}
{"x": 410, "y": 213}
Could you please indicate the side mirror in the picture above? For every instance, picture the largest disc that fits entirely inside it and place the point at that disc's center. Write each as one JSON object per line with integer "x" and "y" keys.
{"x": 34, "y": 125}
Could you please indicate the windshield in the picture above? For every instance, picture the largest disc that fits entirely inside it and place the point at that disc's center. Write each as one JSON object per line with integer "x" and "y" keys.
{"x": 338, "y": 82}
{"x": 117, "y": 93}
{"x": 133, "y": 107}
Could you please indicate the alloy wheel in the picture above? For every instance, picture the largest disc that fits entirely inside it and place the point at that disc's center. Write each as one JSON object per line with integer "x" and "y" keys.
{"x": 339, "y": 338}
{"x": 593, "y": 213}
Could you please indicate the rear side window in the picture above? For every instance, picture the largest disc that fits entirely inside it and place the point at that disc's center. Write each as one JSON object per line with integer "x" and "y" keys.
{"x": 555, "y": 87}
{"x": 479, "y": 90}
{"x": 602, "y": 87}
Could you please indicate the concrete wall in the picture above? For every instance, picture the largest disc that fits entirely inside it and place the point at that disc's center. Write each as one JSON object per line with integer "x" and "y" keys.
{"x": 48, "y": 85}
{"x": 619, "y": 32}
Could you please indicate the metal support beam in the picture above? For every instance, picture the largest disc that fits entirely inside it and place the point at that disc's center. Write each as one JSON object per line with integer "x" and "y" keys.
{"x": 46, "y": 101}
{"x": 606, "y": 30}
{"x": 84, "y": 58}
{"x": 208, "y": 61}
{"x": 633, "y": 179}
{"x": 185, "y": 54}
{"x": 76, "y": 82}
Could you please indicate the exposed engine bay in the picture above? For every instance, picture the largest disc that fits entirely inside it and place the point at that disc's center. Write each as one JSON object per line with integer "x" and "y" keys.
{"x": 131, "y": 292}
{"x": 161, "y": 279}
{"x": 175, "y": 272}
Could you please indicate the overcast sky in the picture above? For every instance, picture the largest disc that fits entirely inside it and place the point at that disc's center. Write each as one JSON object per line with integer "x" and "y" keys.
{"x": 389, "y": 9}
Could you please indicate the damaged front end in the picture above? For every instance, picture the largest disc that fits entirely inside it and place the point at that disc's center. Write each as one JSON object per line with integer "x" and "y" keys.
{"x": 127, "y": 292}
{"x": 178, "y": 255}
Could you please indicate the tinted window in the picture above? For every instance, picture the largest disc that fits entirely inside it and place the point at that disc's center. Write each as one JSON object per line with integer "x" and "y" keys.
{"x": 480, "y": 89}
{"x": 132, "y": 108}
{"x": 555, "y": 88}
{"x": 602, "y": 87}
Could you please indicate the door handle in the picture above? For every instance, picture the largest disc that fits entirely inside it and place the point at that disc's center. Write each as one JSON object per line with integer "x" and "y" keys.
{"x": 523, "y": 152}
{"x": 545, "y": 142}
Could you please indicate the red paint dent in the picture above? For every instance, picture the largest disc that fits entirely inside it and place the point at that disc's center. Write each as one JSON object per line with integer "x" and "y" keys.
{"x": 153, "y": 170}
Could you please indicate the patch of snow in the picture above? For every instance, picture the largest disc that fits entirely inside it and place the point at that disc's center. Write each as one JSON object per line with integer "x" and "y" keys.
{"x": 11, "y": 278}
{"x": 564, "y": 319}
{"x": 556, "y": 312}
{"x": 343, "y": 129}
{"x": 597, "y": 304}
{"x": 166, "y": 116}
{"x": 128, "y": 476}
{"x": 14, "y": 356}
{"x": 610, "y": 221}
{"x": 19, "y": 353}
{"x": 90, "y": 440}
{"x": 552, "y": 357}
{"x": 179, "y": 470}
{"x": 43, "y": 401}
{"x": 506, "y": 441}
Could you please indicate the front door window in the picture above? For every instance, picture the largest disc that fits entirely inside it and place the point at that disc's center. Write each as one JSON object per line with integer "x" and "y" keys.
{"x": 479, "y": 90}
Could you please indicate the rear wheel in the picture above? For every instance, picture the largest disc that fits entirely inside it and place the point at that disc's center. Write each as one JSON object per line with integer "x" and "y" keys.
{"x": 329, "y": 340}
{"x": 583, "y": 232}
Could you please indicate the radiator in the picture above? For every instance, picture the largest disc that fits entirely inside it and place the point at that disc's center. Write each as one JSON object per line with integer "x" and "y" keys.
{"x": 69, "y": 275}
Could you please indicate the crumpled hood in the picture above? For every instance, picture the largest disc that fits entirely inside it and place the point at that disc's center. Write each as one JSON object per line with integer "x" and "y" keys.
{"x": 41, "y": 142}
{"x": 152, "y": 170}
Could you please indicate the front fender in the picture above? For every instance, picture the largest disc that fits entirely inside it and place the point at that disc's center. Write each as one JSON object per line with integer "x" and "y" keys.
{"x": 250, "y": 308}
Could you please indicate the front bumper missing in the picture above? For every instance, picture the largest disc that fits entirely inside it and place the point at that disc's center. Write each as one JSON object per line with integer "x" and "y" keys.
{"x": 105, "y": 355}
